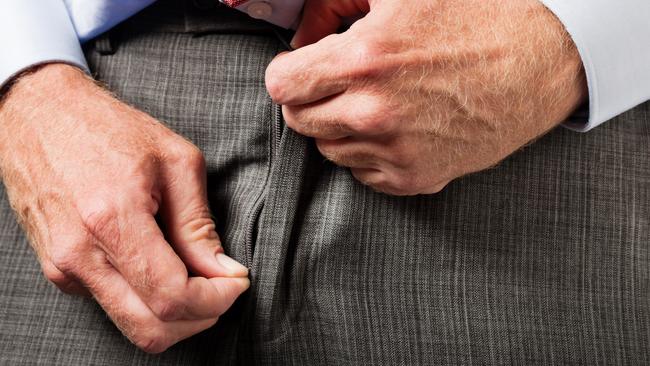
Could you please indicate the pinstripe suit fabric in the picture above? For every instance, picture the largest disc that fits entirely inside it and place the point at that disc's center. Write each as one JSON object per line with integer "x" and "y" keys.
{"x": 542, "y": 260}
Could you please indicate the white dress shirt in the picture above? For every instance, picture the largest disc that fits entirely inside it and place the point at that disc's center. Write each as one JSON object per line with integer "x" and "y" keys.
{"x": 613, "y": 38}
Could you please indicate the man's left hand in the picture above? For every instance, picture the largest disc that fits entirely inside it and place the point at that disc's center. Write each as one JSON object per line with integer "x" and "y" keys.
{"x": 418, "y": 93}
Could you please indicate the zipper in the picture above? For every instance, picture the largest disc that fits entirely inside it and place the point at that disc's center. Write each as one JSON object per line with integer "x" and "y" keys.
{"x": 278, "y": 126}
{"x": 276, "y": 133}
{"x": 274, "y": 147}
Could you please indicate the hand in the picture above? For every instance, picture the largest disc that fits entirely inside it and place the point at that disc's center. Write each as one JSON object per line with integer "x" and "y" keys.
{"x": 418, "y": 93}
{"x": 86, "y": 175}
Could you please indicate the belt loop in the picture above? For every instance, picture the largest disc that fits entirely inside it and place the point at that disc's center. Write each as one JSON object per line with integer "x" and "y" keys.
{"x": 106, "y": 44}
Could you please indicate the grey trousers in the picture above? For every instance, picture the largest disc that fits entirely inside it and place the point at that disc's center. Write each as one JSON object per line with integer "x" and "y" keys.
{"x": 543, "y": 259}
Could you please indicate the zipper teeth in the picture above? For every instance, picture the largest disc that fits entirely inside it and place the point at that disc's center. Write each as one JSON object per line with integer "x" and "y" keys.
{"x": 278, "y": 126}
{"x": 250, "y": 235}
{"x": 274, "y": 147}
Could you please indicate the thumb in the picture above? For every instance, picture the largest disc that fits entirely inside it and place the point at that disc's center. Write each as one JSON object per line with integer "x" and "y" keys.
{"x": 189, "y": 224}
{"x": 229, "y": 290}
{"x": 324, "y": 17}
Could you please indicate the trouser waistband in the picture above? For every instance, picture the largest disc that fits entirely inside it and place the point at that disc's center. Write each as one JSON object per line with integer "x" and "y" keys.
{"x": 197, "y": 17}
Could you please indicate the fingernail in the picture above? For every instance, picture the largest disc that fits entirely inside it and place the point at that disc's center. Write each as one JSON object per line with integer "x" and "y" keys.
{"x": 293, "y": 44}
{"x": 232, "y": 265}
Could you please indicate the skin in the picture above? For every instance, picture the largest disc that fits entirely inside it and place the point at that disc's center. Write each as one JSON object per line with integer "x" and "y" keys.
{"x": 86, "y": 175}
{"x": 412, "y": 96}
{"x": 418, "y": 93}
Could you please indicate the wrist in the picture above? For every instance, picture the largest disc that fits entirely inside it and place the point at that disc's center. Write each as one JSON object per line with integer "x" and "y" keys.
{"x": 41, "y": 79}
{"x": 42, "y": 101}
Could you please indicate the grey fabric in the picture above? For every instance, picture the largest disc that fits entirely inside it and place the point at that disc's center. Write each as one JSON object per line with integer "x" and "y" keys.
{"x": 541, "y": 260}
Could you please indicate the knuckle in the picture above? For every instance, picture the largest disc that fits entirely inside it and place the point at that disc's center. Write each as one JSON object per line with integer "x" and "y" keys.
{"x": 401, "y": 185}
{"x": 324, "y": 148}
{"x": 99, "y": 218}
{"x": 275, "y": 83}
{"x": 356, "y": 173}
{"x": 337, "y": 157}
{"x": 167, "y": 308}
{"x": 65, "y": 260}
{"x": 194, "y": 156}
{"x": 372, "y": 124}
{"x": 368, "y": 53}
{"x": 184, "y": 153}
{"x": 201, "y": 226}
{"x": 55, "y": 276}
{"x": 144, "y": 162}
{"x": 370, "y": 46}
{"x": 152, "y": 342}
{"x": 291, "y": 118}
{"x": 378, "y": 119}
{"x": 159, "y": 282}
{"x": 300, "y": 121}
{"x": 191, "y": 157}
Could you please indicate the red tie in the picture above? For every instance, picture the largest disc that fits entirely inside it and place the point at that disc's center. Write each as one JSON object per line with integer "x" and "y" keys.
{"x": 234, "y": 3}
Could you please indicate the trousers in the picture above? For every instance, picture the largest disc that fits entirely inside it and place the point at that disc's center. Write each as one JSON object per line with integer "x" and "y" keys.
{"x": 542, "y": 260}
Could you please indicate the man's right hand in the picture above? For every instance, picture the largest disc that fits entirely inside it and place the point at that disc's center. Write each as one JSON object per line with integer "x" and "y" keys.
{"x": 87, "y": 174}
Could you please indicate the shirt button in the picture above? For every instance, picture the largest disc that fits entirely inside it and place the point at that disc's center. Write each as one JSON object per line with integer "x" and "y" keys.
{"x": 261, "y": 10}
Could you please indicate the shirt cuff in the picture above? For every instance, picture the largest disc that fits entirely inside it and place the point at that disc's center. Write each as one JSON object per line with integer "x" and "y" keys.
{"x": 612, "y": 39}
{"x": 34, "y": 32}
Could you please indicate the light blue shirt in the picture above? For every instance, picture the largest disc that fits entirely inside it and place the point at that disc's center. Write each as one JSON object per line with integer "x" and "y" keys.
{"x": 613, "y": 38}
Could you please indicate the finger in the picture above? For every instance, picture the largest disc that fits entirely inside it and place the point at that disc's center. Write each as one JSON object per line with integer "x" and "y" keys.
{"x": 396, "y": 182}
{"x": 350, "y": 153}
{"x": 322, "y": 18}
{"x": 63, "y": 282}
{"x": 344, "y": 115}
{"x": 168, "y": 291}
{"x": 436, "y": 188}
{"x": 151, "y": 267}
{"x": 368, "y": 176}
{"x": 329, "y": 66}
{"x": 228, "y": 289}
{"x": 310, "y": 73}
{"x": 384, "y": 181}
{"x": 189, "y": 224}
{"x": 133, "y": 317}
